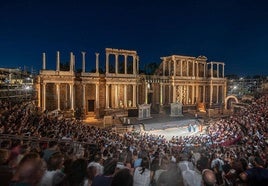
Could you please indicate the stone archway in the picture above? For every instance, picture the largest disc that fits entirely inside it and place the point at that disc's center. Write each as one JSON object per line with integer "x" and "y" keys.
{"x": 228, "y": 99}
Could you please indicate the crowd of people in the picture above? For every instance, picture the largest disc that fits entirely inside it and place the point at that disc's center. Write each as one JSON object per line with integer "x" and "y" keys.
{"x": 233, "y": 151}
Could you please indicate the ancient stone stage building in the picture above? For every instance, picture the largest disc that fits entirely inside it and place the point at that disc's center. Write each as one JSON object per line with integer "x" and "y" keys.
{"x": 184, "y": 79}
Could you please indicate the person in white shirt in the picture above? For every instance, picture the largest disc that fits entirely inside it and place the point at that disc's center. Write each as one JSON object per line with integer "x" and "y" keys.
{"x": 142, "y": 174}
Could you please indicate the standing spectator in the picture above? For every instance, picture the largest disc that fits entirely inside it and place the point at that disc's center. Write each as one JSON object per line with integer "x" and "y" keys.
{"x": 171, "y": 177}
{"x": 5, "y": 170}
{"x": 257, "y": 175}
{"x": 190, "y": 127}
{"x": 142, "y": 174}
{"x": 29, "y": 171}
{"x": 78, "y": 173}
{"x": 108, "y": 173}
{"x": 54, "y": 175}
{"x": 122, "y": 177}
{"x": 52, "y": 148}
{"x": 208, "y": 178}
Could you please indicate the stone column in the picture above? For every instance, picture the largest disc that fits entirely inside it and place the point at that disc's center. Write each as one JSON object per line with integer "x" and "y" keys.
{"x": 125, "y": 96}
{"x": 137, "y": 95}
{"x": 223, "y": 70}
{"x": 44, "y": 96}
{"x": 225, "y": 92}
{"x": 193, "y": 68}
{"x": 187, "y": 93}
{"x": 134, "y": 65}
{"x": 197, "y": 69}
{"x": 193, "y": 93}
{"x": 97, "y": 97}
{"x": 58, "y": 61}
{"x": 204, "y": 93}
{"x": 169, "y": 68}
{"x": 169, "y": 92}
{"x": 125, "y": 63}
{"x": 174, "y": 67}
{"x": 84, "y": 97}
{"x": 44, "y": 61}
{"x": 187, "y": 69}
{"x": 116, "y": 95}
{"x": 181, "y": 66}
{"x": 204, "y": 69}
{"x": 107, "y": 63}
{"x": 211, "y": 69}
{"x": 116, "y": 63}
{"x": 38, "y": 94}
{"x": 197, "y": 93}
{"x": 174, "y": 94}
{"x": 134, "y": 96}
{"x": 181, "y": 93}
{"x": 146, "y": 93}
{"x": 97, "y": 62}
{"x": 217, "y": 94}
{"x": 71, "y": 62}
{"x": 58, "y": 95}
{"x": 83, "y": 62}
{"x": 164, "y": 94}
{"x": 71, "y": 85}
{"x": 211, "y": 92}
{"x": 107, "y": 96}
{"x": 66, "y": 97}
{"x": 161, "y": 94}
{"x": 217, "y": 70}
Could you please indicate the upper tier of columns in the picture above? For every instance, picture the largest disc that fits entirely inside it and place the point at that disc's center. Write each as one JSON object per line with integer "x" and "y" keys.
{"x": 191, "y": 67}
{"x": 125, "y": 53}
{"x": 72, "y": 61}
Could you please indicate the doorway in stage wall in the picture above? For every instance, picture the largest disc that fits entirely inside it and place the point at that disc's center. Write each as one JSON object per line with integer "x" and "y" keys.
{"x": 90, "y": 105}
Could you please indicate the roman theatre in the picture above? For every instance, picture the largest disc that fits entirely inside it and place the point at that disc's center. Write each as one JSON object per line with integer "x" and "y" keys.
{"x": 191, "y": 81}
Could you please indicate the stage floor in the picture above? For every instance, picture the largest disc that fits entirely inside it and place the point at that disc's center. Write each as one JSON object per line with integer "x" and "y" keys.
{"x": 175, "y": 128}
{"x": 160, "y": 125}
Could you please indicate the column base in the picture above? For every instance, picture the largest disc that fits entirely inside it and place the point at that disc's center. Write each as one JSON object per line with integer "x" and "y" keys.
{"x": 161, "y": 109}
{"x": 97, "y": 113}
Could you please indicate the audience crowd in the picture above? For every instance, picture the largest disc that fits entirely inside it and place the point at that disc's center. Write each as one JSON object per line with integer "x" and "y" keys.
{"x": 39, "y": 149}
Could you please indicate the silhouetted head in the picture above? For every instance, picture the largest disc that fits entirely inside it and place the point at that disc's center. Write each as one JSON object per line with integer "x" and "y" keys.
{"x": 209, "y": 178}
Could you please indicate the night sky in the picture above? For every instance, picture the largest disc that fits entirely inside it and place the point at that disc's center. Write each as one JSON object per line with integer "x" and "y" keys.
{"x": 230, "y": 31}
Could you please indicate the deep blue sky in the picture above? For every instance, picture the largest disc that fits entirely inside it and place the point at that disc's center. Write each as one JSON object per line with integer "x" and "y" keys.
{"x": 231, "y": 31}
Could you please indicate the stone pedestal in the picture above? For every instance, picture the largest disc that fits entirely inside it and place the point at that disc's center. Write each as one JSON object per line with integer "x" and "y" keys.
{"x": 144, "y": 111}
{"x": 176, "y": 109}
{"x": 107, "y": 121}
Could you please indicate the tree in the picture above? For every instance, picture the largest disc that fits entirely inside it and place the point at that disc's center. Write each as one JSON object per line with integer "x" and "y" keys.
{"x": 64, "y": 66}
{"x": 151, "y": 68}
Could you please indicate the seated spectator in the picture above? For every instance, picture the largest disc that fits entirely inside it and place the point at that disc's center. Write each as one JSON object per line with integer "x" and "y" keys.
{"x": 171, "y": 177}
{"x": 142, "y": 173}
{"x": 29, "y": 171}
{"x": 163, "y": 167}
{"x": 91, "y": 173}
{"x": 54, "y": 175}
{"x": 78, "y": 173}
{"x": 52, "y": 148}
{"x": 122, "y": 177}
{"x": 5, "y": 170}
{"x": 108, "y": 172}
{"x": 97, "y": 162}
{"x": 208, "y": 177}
{"x": 257, "y": 175}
